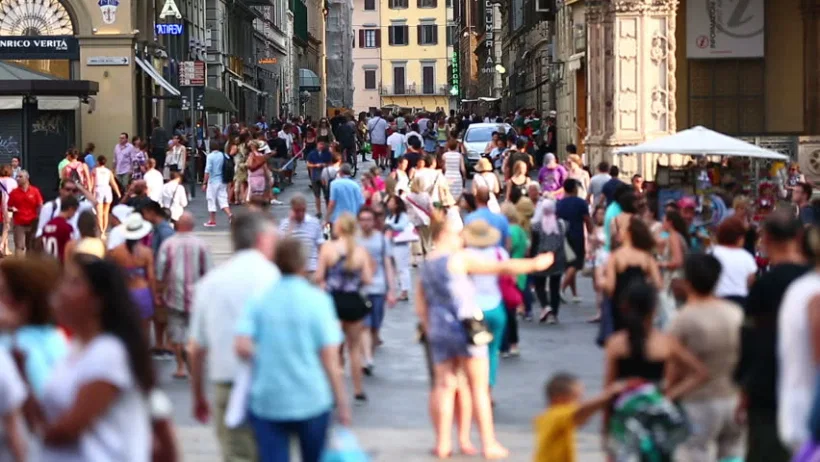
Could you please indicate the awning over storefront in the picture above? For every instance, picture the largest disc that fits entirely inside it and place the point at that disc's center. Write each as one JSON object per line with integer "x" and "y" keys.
{"x": 309, "y": 81}
{"x": 247, "y": 86}
{"x": 10, "y": 71}
{"x": 575, "y": 62}
{"x": 156, "y": 77}
{"x": 216, "y": 101}
{"x": 58, "y": 103}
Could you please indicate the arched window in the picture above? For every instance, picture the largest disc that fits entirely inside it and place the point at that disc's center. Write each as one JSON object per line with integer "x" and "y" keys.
{"x": 34, "y": 17}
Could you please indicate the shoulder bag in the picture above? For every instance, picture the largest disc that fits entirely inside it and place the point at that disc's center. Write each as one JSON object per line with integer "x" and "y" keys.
{"x": 510, "y": 294}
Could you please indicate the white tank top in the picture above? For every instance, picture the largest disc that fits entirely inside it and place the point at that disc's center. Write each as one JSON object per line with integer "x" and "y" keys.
{"x": 102, "y": 178}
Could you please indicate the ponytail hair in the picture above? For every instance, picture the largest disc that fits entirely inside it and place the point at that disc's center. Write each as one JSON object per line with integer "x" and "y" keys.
{"x": 345, "y": 227}
{"x": 131, "y": 245}
{"x": 638, "y": 303}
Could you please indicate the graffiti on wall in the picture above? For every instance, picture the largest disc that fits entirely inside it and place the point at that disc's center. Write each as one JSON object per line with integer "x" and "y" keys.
{"x": 9, "y": 146}
{"x": 48, "y": 124}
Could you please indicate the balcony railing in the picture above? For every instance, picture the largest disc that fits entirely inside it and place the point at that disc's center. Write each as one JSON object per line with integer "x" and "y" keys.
{"x": 414, "y": 89}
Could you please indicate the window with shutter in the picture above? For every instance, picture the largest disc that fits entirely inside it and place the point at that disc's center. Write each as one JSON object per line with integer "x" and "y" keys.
{"x": 369, "y": 4}
{"x": 362, "y": 38}
{"x": 398, "y": 4}
{"x": 369, "y": 39}
{"x": 428, "y": 34}
{"x": 399, "y": 35}
{"x": 428, "y": 79}
{"x": 378, "y": 38}
{"x": 427, "y": 3}
{"x": 398, "y": 81}
{"x": 370, "y": 79}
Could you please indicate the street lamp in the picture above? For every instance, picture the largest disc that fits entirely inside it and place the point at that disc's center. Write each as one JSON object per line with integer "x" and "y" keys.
{"x": 304, "y": 97}
{"x": 500, "y": 69}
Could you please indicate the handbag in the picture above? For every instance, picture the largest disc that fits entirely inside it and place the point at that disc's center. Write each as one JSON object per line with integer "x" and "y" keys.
{"x": 569, "y": 253}
{"x": 510, "y": 294}
{"x": 476, "y": 329}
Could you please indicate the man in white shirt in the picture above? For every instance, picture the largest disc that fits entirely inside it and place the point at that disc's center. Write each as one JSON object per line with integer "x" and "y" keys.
{"x": 286, "y": 134}
{"x": 597, "y": 182}
{"x": 154, "y": 180}
{"x": 52, "y": 208}
{"x": 414, "y": 132}
{"x": 398, "y": 145}
{"x": 377, "y": 127}
{"x": 219, "y": 299}
{"x": 307, "y": 228}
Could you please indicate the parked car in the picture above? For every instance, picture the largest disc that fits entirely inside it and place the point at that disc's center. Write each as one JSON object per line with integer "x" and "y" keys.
{"x": 476, "y": 138}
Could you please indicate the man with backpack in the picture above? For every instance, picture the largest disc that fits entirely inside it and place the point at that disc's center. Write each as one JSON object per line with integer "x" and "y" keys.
{"x": 219, "y": 172}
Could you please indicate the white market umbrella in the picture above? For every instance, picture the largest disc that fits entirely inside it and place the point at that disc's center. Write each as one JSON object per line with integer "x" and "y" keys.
{"x": 701, "y": 141}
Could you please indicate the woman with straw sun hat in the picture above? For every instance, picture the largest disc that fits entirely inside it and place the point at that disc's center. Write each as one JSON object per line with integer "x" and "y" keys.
{"x": 486, "y": 177}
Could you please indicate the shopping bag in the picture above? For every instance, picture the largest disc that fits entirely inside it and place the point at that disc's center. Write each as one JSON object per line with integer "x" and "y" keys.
{"x": 342, "y": 446}
{"x": 237, "y": 410}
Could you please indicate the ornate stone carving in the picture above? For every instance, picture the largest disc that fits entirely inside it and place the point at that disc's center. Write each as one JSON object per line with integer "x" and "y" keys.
{"x": 660, "y": 49}
{"x": 660, "y": 102}
{"x": 644, "y": 6}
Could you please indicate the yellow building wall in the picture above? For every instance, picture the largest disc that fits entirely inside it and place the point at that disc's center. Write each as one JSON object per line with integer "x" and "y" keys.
{"x": 783, "y": 74}
{"x": 414, "y": 54}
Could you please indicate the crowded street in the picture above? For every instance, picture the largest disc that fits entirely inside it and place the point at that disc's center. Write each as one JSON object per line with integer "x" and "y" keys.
{"x": 394, "y": 425}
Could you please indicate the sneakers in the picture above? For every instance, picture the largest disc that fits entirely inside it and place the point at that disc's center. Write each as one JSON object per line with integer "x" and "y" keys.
{"x": 361, "y": 399}
{"x": 276, "y": 202}
{"x": 210, "y": 224}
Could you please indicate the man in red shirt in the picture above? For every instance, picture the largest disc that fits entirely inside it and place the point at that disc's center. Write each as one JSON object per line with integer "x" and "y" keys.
{"x": 57, "y": 232}
{"x": 25, "y": 202}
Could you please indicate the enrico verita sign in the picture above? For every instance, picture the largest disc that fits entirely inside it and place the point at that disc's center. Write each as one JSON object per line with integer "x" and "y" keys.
{"x": 45, "y": 47}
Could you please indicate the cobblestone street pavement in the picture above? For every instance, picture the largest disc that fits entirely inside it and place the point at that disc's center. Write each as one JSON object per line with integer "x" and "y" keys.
{"x": 394, "y": 424}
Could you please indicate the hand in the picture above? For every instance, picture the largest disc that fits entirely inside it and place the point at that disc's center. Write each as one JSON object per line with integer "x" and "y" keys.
{"x": 543, "y": 261}
{"x": 343, "y": 415}
{"x": 741, "y": 415}
{"x": 616, "y": 388}
{"x": 391, "y": 298}
{"x": 204, "y": 187}
{"x": 202, "y": 410}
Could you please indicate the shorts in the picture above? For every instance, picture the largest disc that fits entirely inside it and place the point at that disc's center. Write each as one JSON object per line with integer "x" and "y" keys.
{"x": 217, "y": 195}
{"x": 144, "y": 302}
{"x": 714, "y": 427}
{"x": 376, "y": 317}
{"x": 319, "y": 189}
{"x": 579, "y": 247}
{"x": 350, "y": 306}
{"x": 104, "y": 195}
{"x": 380, "y": 151}
{"x": 177, "y": 326}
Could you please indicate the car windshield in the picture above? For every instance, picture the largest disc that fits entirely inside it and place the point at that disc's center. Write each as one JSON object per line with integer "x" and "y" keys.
{"x": 481, "y": 134}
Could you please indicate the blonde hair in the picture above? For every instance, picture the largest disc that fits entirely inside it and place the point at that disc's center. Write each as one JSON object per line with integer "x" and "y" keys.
{"x": 575, "y": 159}
{"x": 526, "y": 210}
{"x": 740, "y": 201}
{"x": 345, "y": 228}
{"x": 509, "y": 211}
{"x": 417, "y": 185}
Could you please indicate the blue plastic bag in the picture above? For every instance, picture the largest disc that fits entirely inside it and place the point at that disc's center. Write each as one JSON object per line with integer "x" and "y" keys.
{"x": 343, "y": 447}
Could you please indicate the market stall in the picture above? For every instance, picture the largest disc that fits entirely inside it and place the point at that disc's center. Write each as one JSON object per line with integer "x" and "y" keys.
{"x": 720, "y": 168}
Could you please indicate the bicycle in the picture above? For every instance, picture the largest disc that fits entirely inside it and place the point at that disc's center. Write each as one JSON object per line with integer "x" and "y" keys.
{"x": 352, "y": 158}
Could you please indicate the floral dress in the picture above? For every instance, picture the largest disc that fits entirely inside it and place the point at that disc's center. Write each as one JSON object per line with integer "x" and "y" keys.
{"x": 450, "y": 299}
{"x": 138, "y": 161}
{"x": 241, "y": 160}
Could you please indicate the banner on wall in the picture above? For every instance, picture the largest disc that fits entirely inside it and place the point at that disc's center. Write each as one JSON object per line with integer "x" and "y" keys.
{"x": 725, "y": 29}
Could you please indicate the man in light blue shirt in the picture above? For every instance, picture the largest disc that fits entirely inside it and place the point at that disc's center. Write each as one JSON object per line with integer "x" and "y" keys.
{"x": 496, "y": 220}
{"x": 345, "y": 195}
{"x": 216, "y": 191}
{"x": 292, "y": 335}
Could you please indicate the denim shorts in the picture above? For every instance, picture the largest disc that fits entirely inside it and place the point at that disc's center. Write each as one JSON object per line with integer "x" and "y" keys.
{"x": 376, "y": 317}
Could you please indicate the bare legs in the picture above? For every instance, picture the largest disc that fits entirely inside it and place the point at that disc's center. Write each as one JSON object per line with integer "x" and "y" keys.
{"x": 444, "y": 394}
{"x": 478, "y": 374}
{"x": 353, "y": 342}
{"x": 102, "y": 216}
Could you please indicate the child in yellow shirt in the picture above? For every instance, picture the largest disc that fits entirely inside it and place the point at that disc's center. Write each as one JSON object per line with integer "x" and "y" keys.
{"x": 555, "y": 428}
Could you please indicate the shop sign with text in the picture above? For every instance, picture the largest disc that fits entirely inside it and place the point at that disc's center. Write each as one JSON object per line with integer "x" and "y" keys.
{"x": 721, "y": 29}
{"x": 56, "y": 47}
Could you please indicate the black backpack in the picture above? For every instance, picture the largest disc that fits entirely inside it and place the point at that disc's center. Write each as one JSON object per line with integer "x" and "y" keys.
{"x": 228, "y": 169}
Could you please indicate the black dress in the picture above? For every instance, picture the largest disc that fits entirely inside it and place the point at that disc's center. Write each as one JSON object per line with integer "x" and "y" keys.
{"x": 623, "y": 280}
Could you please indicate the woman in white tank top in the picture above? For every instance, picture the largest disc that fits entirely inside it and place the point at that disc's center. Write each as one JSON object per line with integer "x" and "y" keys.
{"x": 104, "y": 189}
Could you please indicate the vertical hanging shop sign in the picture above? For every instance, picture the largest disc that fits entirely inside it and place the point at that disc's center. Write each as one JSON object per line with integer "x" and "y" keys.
{"x": 489, "y": 34}
{"x": 455, "y": 80}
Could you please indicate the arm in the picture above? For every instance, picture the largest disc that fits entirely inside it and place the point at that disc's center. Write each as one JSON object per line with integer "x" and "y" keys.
{"x": 610, "y": 373}
{"x": 697, "y": 376}
{"x": 814, "y": 327}
{"x": 93, "y": 400}
{"x": 390, "y": 273}
{"x": 655, "y": 273}
{"x": 88, "y": 194}
{"x": 588, "y": 408}
{"x": 114, "y": 185}
{"x": 335, "y": 375}
{"x": 462, "y": 167}
{"x": 150, "y": 274}
{"x": 15, "y": 440}
{"x": 507, "y": 191}
{"x": 675, "y": 253}
{"x": 321, "y": 265}
{"x": 467, "y": 263}
{"x": 421, "y": 304}
{"x": 610, "y": 271}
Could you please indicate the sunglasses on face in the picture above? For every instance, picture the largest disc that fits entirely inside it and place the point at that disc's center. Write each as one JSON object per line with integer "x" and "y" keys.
{"x": 70, "y": 190}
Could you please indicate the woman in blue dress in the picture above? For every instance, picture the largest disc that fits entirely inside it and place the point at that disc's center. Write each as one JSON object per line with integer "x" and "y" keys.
{"x": 444, "y": 297}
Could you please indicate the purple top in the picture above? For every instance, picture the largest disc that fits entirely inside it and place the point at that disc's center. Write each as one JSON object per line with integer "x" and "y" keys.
{"x": 552, "y": 179}
{"x": 122, "y": 158}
